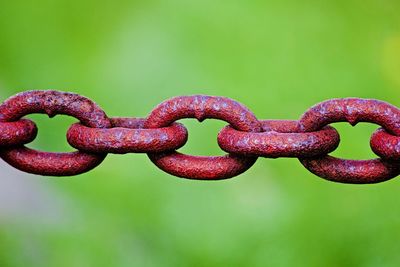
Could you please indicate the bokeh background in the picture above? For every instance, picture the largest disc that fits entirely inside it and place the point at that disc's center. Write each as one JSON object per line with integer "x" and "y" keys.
{"x": 276, "y": 57}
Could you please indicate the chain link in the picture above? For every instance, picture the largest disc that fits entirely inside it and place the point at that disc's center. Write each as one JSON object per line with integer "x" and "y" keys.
{"x": 352, "y": 110}
{"x": 310, "y": 139}
{"x": 127, "y": 135}
{"x": 51, "y": 103}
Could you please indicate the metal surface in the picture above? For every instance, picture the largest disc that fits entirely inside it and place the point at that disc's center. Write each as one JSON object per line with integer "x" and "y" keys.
{"x": 52, "y": 103}
{"x": 279, "y": 139}
{"x": 352, "y": 110}
{"x": 352, "y": 171}
{"x": 159, "y": 135}
{"x": 17, "y": 132}
{"x": 203, "y": 107}
{"x": 50, "y": 164}
{"x": 127, "y": 135}
{"x": 385, "y": 145}
{"x": 202, "y": 167}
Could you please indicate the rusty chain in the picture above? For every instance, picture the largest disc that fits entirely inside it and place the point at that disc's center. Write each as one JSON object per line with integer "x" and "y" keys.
{"x": 310, "y": 139}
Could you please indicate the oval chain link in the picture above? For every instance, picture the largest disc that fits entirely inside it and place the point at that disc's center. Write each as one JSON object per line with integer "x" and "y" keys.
{"x": 202, "y": 107}
{"x": 279, "y": 139}
{"x": 127, "y": 135}
{"x": 52, "y": 103}
{"x": 352, "y": 110}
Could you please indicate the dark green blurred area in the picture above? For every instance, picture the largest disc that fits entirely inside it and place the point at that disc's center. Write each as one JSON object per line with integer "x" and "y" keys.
{"x": 276, "y": 57}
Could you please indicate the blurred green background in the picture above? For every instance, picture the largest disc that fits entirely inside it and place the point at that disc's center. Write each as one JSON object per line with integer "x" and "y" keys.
{"x": 276, "y": 57}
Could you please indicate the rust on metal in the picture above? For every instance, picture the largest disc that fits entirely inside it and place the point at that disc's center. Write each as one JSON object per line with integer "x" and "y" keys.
{"x": 202, "y": 167}
{"x": 202, "y": 107}
{"x": 309, "y": 139}
{"x": 17, "y": 132}
{"x": 352, "y": 171}
{"x": 279, "y": 138}
{"x": 352, "y": 110}
{"x": 385, "y": 145}
{"x": 50, "y": 164}
{"x": 127, "y": 135}
{"x": 52, "y": 103}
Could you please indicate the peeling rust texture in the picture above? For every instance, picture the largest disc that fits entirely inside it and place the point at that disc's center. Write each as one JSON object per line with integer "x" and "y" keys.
{"x": 352, "y": 110}
{"x": 352, "y": 171}
{"x": 202, "y": 107}
{"x": 309, "y": 139}
{"x": 127, "y": 136}
{"x": 50, "y": 164}
{"x": 52, "y": 103}
{"x": 279, "y": 138}
{"x": 202, "y": 167}
{"x": 17, "y": 132}
{"x": 385, "y": 145}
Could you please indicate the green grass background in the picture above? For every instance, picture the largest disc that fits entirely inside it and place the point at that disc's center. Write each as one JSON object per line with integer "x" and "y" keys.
{"x": 276, "y": 57}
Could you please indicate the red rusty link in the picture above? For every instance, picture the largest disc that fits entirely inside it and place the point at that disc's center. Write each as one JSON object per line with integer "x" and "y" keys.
{"x": 127, "y": 136}
{"x": 279, "y": 138}
{"x": 52, "y": 103}
{"x": 202, "y": 107}
{"x": 386, "y": 145}
{"x": 246, "y": 138}
{"x": 50, "y": 164}
{"x": 352, "y": 171}
{"x": 17, "y": 133}
{"x": 352, "y": 110}
{"x": 202, "y": 167}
